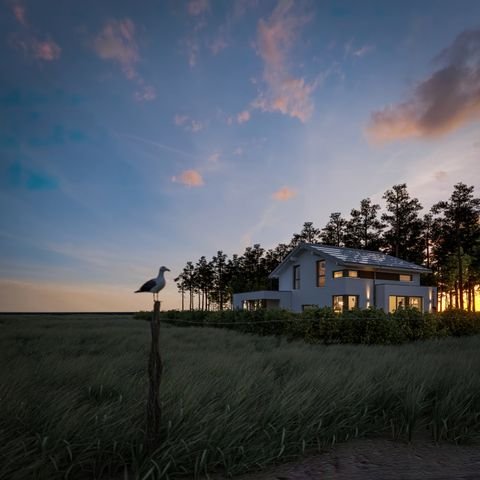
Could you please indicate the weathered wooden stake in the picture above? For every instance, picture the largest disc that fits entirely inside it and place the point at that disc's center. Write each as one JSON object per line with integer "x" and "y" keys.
{"x": 154, "y": 412}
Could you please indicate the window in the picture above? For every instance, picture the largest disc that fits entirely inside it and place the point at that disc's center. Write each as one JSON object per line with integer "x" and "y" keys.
{"x": 296, "y": 277}
{"x": 309, "y": 307}
{"x": 405, "y": 278}
{"x": 345, "y": 273}
{"x": 320, "y": 273}
{"x": 415, "y": 302}
{"x": 342, "y": 303}
{"x": 398, "y": 302}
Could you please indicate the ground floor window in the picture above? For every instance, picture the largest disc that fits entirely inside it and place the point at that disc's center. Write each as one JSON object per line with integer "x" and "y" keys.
{"x": 342, "y": 303}
{"x": 396, "y": 302}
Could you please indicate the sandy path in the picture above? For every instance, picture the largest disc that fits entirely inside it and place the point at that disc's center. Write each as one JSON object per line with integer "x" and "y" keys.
{"x": 381, "y": 460}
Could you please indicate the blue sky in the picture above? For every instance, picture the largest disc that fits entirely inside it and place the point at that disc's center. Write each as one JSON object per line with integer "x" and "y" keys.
{"x": 140, "y": 134}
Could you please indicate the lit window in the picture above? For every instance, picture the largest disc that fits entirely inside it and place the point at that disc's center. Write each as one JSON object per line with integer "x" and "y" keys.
{"x": 352, "y": 273}
{"x": 296, "y": 277}
{"x": 352, "y": 302}
{"x": 399, "y": 302}
{"x": 338, "y": 274}
{"x": 338, "y": 303}
{"x": 415, "y": 302}
{"x": 405, "y": 278}
{"x": 341, "y": 303}
{"x": 321, "y": 273}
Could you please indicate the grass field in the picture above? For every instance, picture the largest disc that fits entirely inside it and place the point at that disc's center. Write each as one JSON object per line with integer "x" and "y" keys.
{"x": 73, "y": 389}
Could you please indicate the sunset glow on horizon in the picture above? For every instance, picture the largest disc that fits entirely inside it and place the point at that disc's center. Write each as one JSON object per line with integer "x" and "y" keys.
{"x": 135, "y": 135}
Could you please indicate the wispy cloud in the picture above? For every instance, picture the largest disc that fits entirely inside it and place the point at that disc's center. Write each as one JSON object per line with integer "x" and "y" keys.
{"x": 20, "y": 13}
{"x": 446, "y": 100}
{"x": 364, "y": 50}
{"x": 243, "y": 117}
{"x": 284, "y": 194}
{"x": 188, "y": 123}
{"x": 197, "y": 7}
{"x": 29, "y": 42}
{"x": 219, "y": 43}
{"x": 190, "y": 178}
{"x": 21, "y": 177}
{"x": 275, "y": 37}
{"x": 116, "y": 42}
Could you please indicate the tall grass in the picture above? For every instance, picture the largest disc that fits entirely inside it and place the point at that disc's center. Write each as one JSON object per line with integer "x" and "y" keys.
{"x": 73, "y": 390}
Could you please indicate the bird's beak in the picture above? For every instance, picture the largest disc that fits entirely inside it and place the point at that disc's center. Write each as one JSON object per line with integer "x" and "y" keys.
{"x": 167, "y": 269}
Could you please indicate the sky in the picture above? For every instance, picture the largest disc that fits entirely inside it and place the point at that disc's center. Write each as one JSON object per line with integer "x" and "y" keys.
{"x": 141, "y": 134}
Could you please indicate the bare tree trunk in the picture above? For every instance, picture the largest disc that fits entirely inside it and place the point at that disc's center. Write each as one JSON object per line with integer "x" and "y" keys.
{"x": 460, "y": 276}
{"x": 155, "y": 367}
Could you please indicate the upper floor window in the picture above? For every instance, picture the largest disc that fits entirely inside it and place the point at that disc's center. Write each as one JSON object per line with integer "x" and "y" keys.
{"x": 405, "y": 278}
{"x": 320, "y": 273}
{"x": 296, "y": 277}
{"x": 345, "y": 273}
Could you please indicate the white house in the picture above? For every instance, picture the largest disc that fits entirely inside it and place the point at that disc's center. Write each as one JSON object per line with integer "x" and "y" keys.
{"x": 315, "y": 275}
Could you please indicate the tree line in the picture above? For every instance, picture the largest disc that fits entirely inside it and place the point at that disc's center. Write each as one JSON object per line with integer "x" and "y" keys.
{"x": 446, "y": 239}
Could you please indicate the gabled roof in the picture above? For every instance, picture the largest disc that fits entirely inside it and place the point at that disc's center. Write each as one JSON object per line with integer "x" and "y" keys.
{"x": 350, "y": 257}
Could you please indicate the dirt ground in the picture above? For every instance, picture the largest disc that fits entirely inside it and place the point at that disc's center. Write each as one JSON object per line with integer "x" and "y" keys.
{"x": 381, "y": 460}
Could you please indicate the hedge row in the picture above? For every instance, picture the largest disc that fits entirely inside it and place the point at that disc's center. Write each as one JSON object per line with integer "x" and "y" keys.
{"x": 323, "y": 325}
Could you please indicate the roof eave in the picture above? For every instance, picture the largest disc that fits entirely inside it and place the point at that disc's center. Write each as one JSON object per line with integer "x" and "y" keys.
{"x": 419, "y": 269}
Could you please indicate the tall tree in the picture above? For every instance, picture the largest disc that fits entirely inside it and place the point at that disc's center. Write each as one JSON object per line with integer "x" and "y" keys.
{"x": 458, "y": 230}
{"x": 364, "y": 229}
{"x": 309, "y": 234}
{"x": 334, "y": 231}
{"x": 404, "y": 226}
{"x": 220, "y": 278}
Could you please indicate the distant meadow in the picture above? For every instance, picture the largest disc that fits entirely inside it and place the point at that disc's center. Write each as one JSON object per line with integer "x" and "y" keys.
{"x": 73, "y": 391}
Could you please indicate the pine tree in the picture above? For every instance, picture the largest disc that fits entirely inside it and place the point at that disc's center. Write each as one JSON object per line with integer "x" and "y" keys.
{"x": 404, "y": 226}
{"x": 334, "y": 231}
{"x": 364, "y": 229}
{"x": 458, "y": 231}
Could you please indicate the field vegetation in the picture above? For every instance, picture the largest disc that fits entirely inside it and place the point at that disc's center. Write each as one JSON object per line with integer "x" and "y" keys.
{"x": 73, "y": 390}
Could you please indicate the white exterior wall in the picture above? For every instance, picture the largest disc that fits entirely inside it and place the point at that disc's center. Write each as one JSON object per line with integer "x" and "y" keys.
{"x": 429, "y": 294}
{"x": 309, "y": 293}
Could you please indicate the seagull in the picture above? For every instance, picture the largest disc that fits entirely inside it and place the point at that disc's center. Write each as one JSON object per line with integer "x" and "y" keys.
{"x": 155, "y": 284}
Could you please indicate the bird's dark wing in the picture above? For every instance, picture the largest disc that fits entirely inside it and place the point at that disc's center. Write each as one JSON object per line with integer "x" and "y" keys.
{"x": 147, "y": 286}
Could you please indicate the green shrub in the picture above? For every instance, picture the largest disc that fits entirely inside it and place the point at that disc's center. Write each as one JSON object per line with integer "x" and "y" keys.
{"x": 323, "y": 325}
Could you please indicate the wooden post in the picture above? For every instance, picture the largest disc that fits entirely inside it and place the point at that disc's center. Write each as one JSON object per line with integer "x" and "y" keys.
{"x": 154, "y": 412}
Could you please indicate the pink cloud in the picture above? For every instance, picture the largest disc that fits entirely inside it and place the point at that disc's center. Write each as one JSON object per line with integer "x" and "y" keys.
{"x": 440, "y": 104}
{"x": 243, "y": 117}
{"x": 47, "y": 50}
{"x": 20, "y": 13}
{"x": 180, "y": 119}
{"x": 197, "y": 7}
{"x": 284, "y": 194}
{"x": 190, "y": 178}
{"x": 146, "y": 94}
{"x": 218, "y": 44}
{"x": 276, "y": 37}
{"x": 188, "y": 123}
{"x": 116, "y": 42}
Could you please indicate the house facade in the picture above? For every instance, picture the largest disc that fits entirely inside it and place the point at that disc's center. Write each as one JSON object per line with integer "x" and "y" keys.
{"x": 314, "y": 275}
